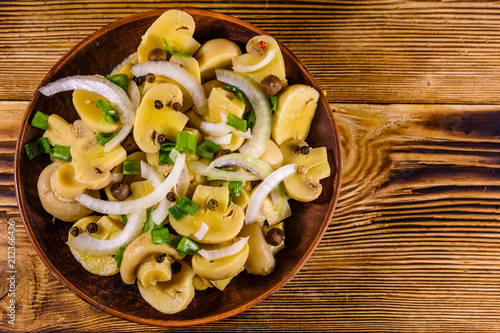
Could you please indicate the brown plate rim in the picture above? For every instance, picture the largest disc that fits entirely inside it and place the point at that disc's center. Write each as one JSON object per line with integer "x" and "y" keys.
{"x": 209, "y": 319}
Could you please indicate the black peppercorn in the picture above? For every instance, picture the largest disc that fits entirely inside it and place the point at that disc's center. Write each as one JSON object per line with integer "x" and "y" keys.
{"x": 304, "y": 150}
{"x": 92, "y": 227}
{"x": 160, "y": 257}
{"x": 158, "y": 104}
{"x": 150, "y": 77}
{"x": 74, "y": 231}
{"x": 171, "y": 196}
{"x": 275, "y": 236}
{"x": 212, "y": 204}
{"x": 120, "y": 191}
{"x": 139, "y": 79}
{"x": 177, "y": 106}
{"x": 162, "y": 138}
{"x": 176, "y": 267}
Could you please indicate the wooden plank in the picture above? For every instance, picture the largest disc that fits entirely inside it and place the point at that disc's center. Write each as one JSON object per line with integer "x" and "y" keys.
{"x": 364, "y": 51}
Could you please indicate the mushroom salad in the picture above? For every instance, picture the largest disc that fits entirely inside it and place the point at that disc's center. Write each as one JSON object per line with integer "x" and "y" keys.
{"x": 221, "y": 150}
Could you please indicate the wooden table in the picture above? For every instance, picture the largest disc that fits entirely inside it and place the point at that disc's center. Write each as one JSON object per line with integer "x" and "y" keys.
{"x": 414, "y": 244}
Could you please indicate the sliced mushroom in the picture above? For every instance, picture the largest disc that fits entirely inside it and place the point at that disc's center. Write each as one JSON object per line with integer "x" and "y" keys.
{"x": 142, "y": 250}
{"x": 294, "y": 113}
{"x": 64, "y": 210}
{"x": 200, "y": 283}
{"x": 260, "y": 256}
{"x": 272, "y": 155}
{"x": 222, "y": 102}
{"x": 63, "y": 182}
{"x": 312, "y": 167}
{"x": 222, "y": 268}
{"x": 107, "y": 229}
{"x": 92, "y": 165}
{"x": 171, "y": 296}
{"x": 177, "y": 27}
{"x": 188, "y": 63}
{"x": 59, "y": 131}
{"x": 224, "y": 223}
{"x": 150, "y": 121}
{"x": 216, "y": 53}
{"x": 85, "y": 104}
{"x": 268, "y": 213}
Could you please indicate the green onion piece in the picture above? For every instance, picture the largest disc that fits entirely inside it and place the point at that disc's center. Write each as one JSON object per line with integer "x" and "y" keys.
{"x": 120, "y": 80}
{"x": 124, "y": 219}
{"x": 235, "y": 188}
{"x": 273, "y": 100}
{"x": 183, "y": 54}
{"x": 119, "y": 256}
{"x": 207, "y": 149}
{"x": 149, "y": 224}
{"x": 186, "y": 142}
{"x": 40, "y": 120}
{"x": 168, "y": 50}
{"x": 230, "y": 200}
{"x": 37, "y": 147}
{"x": 110, "y": 115}
{"x": 160, "y": 235}
{"x": 103, "y": 138}
{"x": 187, "y": 206}
{"x": 175, "y": 243}
{"x": 176, "y": 212}
{"x": 131, "y": 168}
{"x": 188, "y": 246}
{"x": 250, "y": 118}
{"x": 237, "y": 122}
{"x": 164, "y": 156}
{"x": 62, "y": 153}
{"x": 237, "y": 92}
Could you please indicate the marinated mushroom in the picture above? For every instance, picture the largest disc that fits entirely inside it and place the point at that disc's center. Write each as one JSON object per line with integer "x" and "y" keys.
{"x": 107, "y": 229}
{"x": 171, "y": 296}
{"x": 272, "y": 155}
{"x": 139, "y": 261}
{"x": 85, "y": 104}
{"x": 224, "y": 223}
{"x": 151, "y": 122}
{"x": 222, "y": 102}
{"x": 260, "y": 256}
{"x": 188, "y": 63}
{"x": 216, "y": 53}
{"x": 295, "y": 110}
{"x": 305, "y": 184}
{"x": 63, "y": 182}
{"x": 59, "y": 131}
{"x": 267, "y": 211}
{"x": 223, "y": 268}
{"x": 177, "y": 27}
{"x": 66, "y": 210}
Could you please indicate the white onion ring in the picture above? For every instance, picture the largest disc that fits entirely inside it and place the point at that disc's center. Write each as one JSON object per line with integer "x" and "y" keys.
{"x": 134, "y": 94}
{"x": 224, "y": 252}
{"x": 251, "y": 68}
{"x": 265, "y": 188}
{"x": 160, "y": 213}
{"x": 178, "y": 74}
{"x": 113, "y": 93}
{"x": 106, "y": 247}
{"x": 205, "y": 170}
{"x": 220, "y": 140}
{"x": 132, "y": 206}
{"x": 201, "y": 232}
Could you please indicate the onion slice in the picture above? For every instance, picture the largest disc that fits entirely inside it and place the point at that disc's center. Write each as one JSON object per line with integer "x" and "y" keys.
{"x": 160, "y": 213}
{"x": 99, "y": 85}
{"x": 220, "y": 140}
{"x": 271, "y": 182}
{"x": 134, "y": 94}
{"x": 178, "y": 74}
{"x": 251, "y": 68}
{"x": 263, "y": 116}
{"x": 224, "y": 252}
{"x": 202, "y": 231}
{"x": 132, "y": 206}
{"x": 205, "y": 170}
{"x": 252, "y": 164}
{"x": 106, "y": 247}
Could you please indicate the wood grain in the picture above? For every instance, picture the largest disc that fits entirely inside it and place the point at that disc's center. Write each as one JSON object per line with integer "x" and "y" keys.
{"x": 414, "y": 242}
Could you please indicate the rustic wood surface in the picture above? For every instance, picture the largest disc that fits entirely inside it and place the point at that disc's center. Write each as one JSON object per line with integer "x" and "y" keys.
{"x": 414, "y": 244}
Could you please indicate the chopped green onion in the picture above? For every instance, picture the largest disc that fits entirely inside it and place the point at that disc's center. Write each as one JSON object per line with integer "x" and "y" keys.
{"x": 188, "y": 206}
{"x": 184, "y": 245}
{"x": 131, "y": 168}
{"x": 149, "y": 224}
{"x": 168, "y": 50}
{"x": 273, "y": 100}
{"x": 37, "y": 147}
{"x": 235, "y": 188}
{"x": 160, "y": 235}
{"x": 207, "y": 149}
{"x": 186, "y": 142}
{"x": 103, "y": 138}
{"x": 237, "y": 122}
{"x": 183, "y": 54}
{"x": 124, "y": 218}
{"x": 237, "y": 92}
{"x": 40, "y": 120}
{"x": 250, "y": 118}
{"x": 176, "y": 212}
{"x": 164, "y": 155}
{"x": 110, "y": 115}
{"x": 230, "y": 200}
{"x": 120, "y": 80}
{"x": 62, "y": 153}
{"x": 119, "y": 256}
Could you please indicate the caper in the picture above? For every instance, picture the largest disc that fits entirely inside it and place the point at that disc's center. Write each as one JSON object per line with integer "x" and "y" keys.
{"x": 92, "y": 227}
{"x": 171, "y": 196}
{"x": 150, "y": 77}
{"x": 74, "y": 231}
{"x": 177, "y": 106}
{"x": 120, "y": 191}
{"x": 212, "y": 204}
{"x": 275, "y": 236}
{"x": 176, "y": 267}
{"x": 157, "y": 55}
{"x": 160, "y": 257}
{"x": 158, "y": 104}
{"x": 271, "y": 85}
